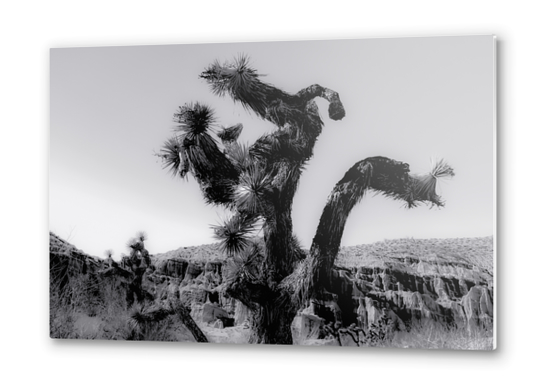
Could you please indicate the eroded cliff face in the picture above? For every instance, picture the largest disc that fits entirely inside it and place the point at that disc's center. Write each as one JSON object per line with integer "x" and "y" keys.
{"x": 198, "y": 285}
{"x": 408, "y": 282}
{"x": 65, "y": 260}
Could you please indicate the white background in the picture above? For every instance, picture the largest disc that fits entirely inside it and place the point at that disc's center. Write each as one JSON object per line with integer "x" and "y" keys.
{"x": 29, "y": 29}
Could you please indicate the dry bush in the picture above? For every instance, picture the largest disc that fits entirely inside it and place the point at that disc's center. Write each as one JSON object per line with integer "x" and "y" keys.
{"x": 92, "y": 306}
{"x": 87, "y": 296}
{"x": 438, "y": 337}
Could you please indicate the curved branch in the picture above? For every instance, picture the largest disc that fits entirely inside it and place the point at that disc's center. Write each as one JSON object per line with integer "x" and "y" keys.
{"x": 281, "y": 154}
{"x": 336, "y": 108}
{"x": 194, "y": 150}
{"x": 214, "y": 172}
{"x": 380, "y": 174}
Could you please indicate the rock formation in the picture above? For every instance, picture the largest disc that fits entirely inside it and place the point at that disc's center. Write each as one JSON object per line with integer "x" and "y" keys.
{"x": 406, "y": 283}
{"x": 447, "y": 284}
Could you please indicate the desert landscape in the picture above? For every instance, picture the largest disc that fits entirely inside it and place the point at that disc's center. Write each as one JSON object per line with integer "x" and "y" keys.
{"x": 280, "y": 173}
{"x": 406, "y": 293}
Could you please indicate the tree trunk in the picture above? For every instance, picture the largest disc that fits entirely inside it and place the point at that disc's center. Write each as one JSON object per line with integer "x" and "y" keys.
{"x": 281, "y": 155}
{"x": 184, "y": 315}
{"x": 271, "y": 322}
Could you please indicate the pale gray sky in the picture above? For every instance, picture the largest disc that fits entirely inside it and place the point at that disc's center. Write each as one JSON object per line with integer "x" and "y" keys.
{"x": 410, "y": 99}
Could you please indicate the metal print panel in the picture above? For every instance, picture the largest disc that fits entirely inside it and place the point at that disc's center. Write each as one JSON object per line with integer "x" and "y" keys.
{"x": 316, "y": 193}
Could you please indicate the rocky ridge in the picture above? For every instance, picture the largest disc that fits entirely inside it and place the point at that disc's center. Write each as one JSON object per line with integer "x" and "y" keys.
{"x": 410, "y": 282}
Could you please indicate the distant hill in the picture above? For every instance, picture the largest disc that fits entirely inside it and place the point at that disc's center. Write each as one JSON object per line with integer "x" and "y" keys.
{"x": 471, "y": 251}
{"x": 474, "y": 251}
{"x": 198, "y": 253}
{"x": 61, "y": 247}
{"x": 412, "y": 282}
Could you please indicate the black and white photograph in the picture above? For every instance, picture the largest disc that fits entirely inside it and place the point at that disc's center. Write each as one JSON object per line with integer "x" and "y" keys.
{"x": 332, "y": 193}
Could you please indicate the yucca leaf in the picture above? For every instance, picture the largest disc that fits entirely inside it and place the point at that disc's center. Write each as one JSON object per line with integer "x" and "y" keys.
{"x": 194, "y": 119}
{"x": 141, "y": 236}
{"x": 239, "y": 154}
{"x": 240, "y": 81}
{"x": 131, "y": 243}
{"x": 235, "y": 234}
{"x": 244, "y": 265}
{"x": 141, "y": 319}
{"x": 138, "y": 319}
{"x": 174, "y": 157}
{"x": 423, "y": 188}
{"x": 253, "y": 189}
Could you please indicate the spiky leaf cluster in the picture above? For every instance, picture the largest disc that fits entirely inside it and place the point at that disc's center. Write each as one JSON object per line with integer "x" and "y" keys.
{"x": 245, "y": 265}
{"x": 194, "y": 119}
{"x": 133, "y": 244}
{"x": 252, "y": 193}
{"x": 141, "y": 236}
{"x": 193, "y": 149}
{"x": 239, "y": 80}
{"x": 239, "y": 155}
{"x": 423, "y": 188}
{"x": 140, "y": 317}
{"x": 235, "y": 234}
{"x": 174, "y": 157}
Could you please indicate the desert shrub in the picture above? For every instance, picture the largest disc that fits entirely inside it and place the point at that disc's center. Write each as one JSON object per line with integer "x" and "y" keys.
{"x": 61, "y": 321}
{"x": 429, "y": 335}
{"x": 379, "y": 334}
{"x": 436, "y": 336}
{"x": 152, "y": 328}
{"x": 90, "y": 295}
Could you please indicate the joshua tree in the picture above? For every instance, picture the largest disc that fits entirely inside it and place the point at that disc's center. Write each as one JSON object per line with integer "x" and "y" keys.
{"x": 273, "y": 276}
{"x": 133, "y": 269}
{"x": 138, "y": 262}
